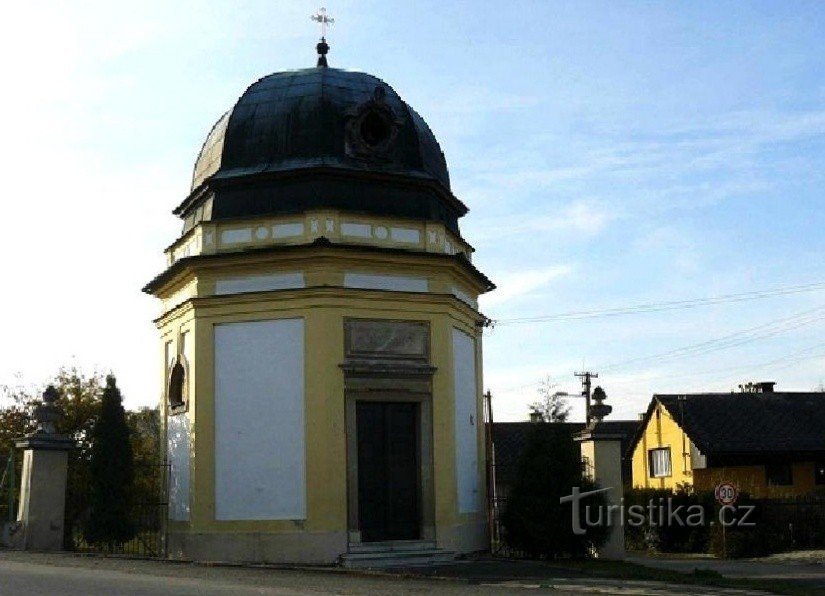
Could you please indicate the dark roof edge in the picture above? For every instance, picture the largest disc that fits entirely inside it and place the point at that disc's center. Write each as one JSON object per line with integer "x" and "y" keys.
{"x": 216, "y": 181}
{"x": 631, "y": 447}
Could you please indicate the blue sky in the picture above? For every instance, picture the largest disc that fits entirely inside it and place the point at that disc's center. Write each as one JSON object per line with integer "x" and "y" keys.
{"x": 611, "y": 153}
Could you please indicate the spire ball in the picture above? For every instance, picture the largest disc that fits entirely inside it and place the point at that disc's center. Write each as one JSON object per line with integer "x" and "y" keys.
{"x": 323, "y": 48}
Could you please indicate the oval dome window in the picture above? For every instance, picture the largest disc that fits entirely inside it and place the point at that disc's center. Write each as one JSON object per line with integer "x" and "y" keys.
{"x": 374, "y": 129}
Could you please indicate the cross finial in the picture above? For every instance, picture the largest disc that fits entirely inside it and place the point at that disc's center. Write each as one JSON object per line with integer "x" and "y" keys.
{"x": 322, "y": 47}
{"x": 324, "y": 20}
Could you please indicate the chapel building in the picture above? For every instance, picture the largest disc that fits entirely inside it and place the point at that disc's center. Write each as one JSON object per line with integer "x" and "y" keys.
{"x": 320, "y": 334}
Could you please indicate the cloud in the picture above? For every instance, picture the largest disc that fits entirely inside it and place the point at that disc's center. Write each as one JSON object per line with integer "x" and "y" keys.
{"x": 584, "y": 217}
{"x": 466, "y": 100}
{"x": 678, "y": 165}
{"x": 520, "y": 283}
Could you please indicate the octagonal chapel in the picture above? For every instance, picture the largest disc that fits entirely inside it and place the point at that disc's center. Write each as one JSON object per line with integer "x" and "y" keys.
{"x": 320, "y": 334}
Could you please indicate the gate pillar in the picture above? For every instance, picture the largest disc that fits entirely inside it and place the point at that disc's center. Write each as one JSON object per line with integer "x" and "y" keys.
{"x": 602, "y": 451}
{"x": 41, "y": 513}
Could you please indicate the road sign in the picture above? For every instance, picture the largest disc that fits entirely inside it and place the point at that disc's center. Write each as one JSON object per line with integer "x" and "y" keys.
{"x": 726, "y": 493}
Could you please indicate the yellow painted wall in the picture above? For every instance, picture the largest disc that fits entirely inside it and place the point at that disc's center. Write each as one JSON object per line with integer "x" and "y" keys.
{"x": 662, "y": 431}
{"x": 323, "y": 305}
{"x": 752, "y": 480}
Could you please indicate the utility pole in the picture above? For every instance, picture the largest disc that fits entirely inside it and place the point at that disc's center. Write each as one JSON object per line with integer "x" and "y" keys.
{"x": 586, "y": 386}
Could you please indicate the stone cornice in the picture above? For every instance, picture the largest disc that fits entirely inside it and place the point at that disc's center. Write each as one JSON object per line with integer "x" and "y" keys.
{"x": 320, "y": 247}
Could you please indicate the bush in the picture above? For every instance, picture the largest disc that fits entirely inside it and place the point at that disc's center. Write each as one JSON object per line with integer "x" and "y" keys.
{"x": 778, "y": 525}
{"x": 534, "y": 520}
{"x": 772, "y": 526}
{"x": 669, "y": 538}
{"x": 734, "y": 542}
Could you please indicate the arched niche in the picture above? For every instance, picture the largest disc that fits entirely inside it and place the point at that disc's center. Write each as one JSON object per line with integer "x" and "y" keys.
{"x": 177, "y": 395}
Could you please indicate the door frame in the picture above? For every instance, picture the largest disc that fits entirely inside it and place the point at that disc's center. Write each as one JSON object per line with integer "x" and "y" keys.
{"x": 424, "y": 430}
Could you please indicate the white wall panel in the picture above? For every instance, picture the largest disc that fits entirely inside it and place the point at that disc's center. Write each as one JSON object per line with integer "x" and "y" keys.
{"x": 177, "y": 447}
{"x": 466, "y": 424}
{"x": 355, "y": 229}
{"x": 287, "y": 230}
{"x": 395, "y": 283}
{"x": 259, "y": 283}
{"x": 236, "y": 236}
{"x": 259, "y": 420}
{"x": 405, "y": 235}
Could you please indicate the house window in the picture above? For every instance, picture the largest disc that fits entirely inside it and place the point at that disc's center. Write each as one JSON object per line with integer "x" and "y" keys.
{"x": 819, "y": 473}
{"x": 779, "y": 474}
{"x": 659, "y": 462}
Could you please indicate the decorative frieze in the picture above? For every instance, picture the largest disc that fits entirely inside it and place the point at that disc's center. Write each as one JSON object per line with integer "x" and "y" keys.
{"x": 211, "y": 237}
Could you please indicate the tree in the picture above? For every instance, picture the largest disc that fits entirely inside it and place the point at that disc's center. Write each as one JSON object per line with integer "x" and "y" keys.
{"x": 80, "y": 403}
{"x": 112, "y": 473}
{"x": 144, "y": 433}
{"x": 15, "y": 422}
{"x": 551, "y": 405}
{"x": 80, "y": 395}
{"x": 534, "y": 520}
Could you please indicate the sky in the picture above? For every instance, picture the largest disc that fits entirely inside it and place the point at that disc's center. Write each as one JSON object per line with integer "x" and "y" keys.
{"x": 612, "y": 154}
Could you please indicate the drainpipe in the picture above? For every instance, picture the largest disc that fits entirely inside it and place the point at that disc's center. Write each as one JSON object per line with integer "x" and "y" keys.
{"x": 682, "y": 399}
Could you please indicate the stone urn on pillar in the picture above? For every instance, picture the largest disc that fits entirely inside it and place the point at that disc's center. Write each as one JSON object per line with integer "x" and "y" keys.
{"x": 41, "y": 513}
{"x": 601, "y": 451}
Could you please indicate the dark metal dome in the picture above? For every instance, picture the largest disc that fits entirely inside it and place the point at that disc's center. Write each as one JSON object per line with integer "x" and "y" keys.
{"x": 322, "y": 137}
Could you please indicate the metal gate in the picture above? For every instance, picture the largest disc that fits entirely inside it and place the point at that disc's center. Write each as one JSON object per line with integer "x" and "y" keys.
{"x": 8, "y": 495}
{"x": 147, "y": 514}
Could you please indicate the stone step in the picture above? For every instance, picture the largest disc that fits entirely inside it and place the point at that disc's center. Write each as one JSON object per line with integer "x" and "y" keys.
{"x": 392, "y": 546}
{"x": 406, "y": 555}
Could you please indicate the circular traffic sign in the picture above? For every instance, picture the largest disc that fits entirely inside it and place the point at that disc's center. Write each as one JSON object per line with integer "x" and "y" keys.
{"x": 726, "y": 493}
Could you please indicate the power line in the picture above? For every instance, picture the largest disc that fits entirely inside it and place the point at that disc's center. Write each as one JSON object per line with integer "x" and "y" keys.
{"x": 735, "y": 339}
{"x": 793, "y": 357}
{"x": 666, "y": 306}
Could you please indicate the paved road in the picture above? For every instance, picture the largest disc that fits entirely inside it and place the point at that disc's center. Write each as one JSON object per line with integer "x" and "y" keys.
{"x": 47, "y": 574}
{"x": 83, "y": 576}
{"x": 808, "y": 574}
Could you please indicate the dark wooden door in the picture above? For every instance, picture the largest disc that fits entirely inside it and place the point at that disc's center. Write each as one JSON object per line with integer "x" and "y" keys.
{"x": 387, "y": 470}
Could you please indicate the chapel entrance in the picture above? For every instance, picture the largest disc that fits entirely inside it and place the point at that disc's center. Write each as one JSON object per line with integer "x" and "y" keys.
{"x": 388, "y": 470}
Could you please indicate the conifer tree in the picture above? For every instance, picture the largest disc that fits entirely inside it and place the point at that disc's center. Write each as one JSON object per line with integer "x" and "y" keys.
{"x": 112, "y": 473}
{"x": 535, "y": 522}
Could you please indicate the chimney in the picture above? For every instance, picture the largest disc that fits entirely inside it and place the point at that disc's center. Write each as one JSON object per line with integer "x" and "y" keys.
{"x": 759, "y": 387}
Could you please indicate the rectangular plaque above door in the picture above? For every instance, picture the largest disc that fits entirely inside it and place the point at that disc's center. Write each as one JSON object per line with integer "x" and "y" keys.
{"x": 377, "y": 339}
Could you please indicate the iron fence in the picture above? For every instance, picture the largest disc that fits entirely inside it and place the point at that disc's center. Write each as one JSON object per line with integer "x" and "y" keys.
{"x": 499, "y": 546}
{"x": 148, "y": 516}
{"x": 797, "y": 523}
{"x": 8, "y": 490}
{"x": 149, "y": 539}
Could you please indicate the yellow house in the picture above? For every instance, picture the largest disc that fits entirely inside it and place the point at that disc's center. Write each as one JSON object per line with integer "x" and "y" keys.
{"x": 320, "y": 335}
{"x": 769, "y": 444}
